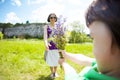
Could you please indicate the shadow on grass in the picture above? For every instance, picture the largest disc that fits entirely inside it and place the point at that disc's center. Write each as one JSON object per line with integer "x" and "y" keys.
{"x": 43, "y": 77}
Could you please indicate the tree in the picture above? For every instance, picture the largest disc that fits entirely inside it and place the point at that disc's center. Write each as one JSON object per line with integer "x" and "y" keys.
{"x": 77, "y": 34}
{"x": 5, "y": 25}
{"x": 27, "y": 22}
{"x": 18, "y": 24}
{"x": 78, "y": 27}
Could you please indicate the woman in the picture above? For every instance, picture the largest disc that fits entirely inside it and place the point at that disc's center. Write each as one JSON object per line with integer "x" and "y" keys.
{"x": 52, "y": 52}
{"x": 103, "y": 21}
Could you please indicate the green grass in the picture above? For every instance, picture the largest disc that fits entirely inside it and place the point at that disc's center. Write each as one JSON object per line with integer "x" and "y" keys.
{"x": 23, "y": 59}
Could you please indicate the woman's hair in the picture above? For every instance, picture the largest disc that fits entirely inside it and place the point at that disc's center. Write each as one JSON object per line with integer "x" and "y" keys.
{"x": 107, "y": 11}
{"x": 48, "y": 19}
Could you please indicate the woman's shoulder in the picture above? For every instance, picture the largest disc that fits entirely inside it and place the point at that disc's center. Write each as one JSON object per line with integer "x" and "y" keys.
{"x": 46, "y": 26}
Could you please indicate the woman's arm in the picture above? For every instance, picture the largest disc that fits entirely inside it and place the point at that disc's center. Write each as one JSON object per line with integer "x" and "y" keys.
{"x": 45, "y": 37}
{"x": 78, "y": 58}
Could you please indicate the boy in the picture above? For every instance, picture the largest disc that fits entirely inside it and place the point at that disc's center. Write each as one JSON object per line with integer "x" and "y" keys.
{"x": 103, "y": 21}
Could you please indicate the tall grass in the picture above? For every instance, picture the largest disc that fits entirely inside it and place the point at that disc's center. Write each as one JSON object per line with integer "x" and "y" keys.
{"x": 23, "y": 59}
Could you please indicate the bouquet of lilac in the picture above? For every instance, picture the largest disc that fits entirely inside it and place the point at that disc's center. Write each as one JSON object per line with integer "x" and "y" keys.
{"x": 59, "y": 38}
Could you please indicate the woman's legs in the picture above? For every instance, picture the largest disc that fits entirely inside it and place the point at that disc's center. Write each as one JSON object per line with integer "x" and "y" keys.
{"x": 53, "y": 71}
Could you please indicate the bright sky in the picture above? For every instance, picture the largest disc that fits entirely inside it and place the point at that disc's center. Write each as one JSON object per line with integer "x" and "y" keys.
{"x": 19, "y": 11}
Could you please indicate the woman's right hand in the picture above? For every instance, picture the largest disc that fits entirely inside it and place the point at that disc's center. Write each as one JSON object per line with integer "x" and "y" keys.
{"x": 49, "y": 44}
{"x": 47, "y": 47}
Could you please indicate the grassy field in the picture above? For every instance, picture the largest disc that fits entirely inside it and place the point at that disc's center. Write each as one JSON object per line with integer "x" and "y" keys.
{"x": 23, "y": 59}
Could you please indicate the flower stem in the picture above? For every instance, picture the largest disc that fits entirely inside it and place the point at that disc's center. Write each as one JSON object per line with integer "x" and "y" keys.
{"x": 61, "y": 56}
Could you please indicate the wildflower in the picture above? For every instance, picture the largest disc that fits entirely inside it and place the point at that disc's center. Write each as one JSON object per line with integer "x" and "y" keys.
{"x": 59, "y": 33}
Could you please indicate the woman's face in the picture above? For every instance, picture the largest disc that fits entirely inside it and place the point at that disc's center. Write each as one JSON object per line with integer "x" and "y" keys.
{"x": 52, "y": 18}
{"x": 102, "y": 42}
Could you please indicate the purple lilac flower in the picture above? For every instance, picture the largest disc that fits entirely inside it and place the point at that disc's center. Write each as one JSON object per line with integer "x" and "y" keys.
{"x": 59, "y": 33}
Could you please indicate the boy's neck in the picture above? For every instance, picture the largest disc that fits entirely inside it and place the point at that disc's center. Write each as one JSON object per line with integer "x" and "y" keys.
{"x": 114, "y": 73}
{"x": 114, "y": 65}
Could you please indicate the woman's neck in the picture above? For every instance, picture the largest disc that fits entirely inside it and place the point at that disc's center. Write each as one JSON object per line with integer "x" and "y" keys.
{"x": 51, "y": 24}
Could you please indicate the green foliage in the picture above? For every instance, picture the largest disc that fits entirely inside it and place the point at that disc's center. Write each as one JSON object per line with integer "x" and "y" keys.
{"x": 14, "y": 37}
{"x": 1, "y": 35}
{"x": 18, "y": 24}
{"x": 40, "y": 37}
{"x": 23, "y": 59}
{"x": 74, "y": 37}
{"x": 60, "y": 41}
{"x": 27, "y": 36}
{"x": 88, "y": 39}
{"x": 77, "y": 37}
{"x": 78, "y": 27}
{"x": 77, "y": 34}
{"x": 27, "y": 22}
{"x": 5, "y": 25}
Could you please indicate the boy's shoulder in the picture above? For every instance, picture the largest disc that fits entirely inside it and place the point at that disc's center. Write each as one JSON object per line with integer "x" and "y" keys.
{"x": 91, "y": 73}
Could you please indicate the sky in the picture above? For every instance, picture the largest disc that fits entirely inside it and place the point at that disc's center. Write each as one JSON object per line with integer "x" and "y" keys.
{"x": 37, "y": 11}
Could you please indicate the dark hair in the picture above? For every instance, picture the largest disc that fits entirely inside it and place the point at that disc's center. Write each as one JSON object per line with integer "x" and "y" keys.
{"x": 48, "y": 19}
{"x": 107, "y": 11}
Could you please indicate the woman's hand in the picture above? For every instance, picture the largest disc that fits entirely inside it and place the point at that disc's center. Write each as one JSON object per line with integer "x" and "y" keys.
{"x": 49, "y": 44}
{"x": 47, "y": 47}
